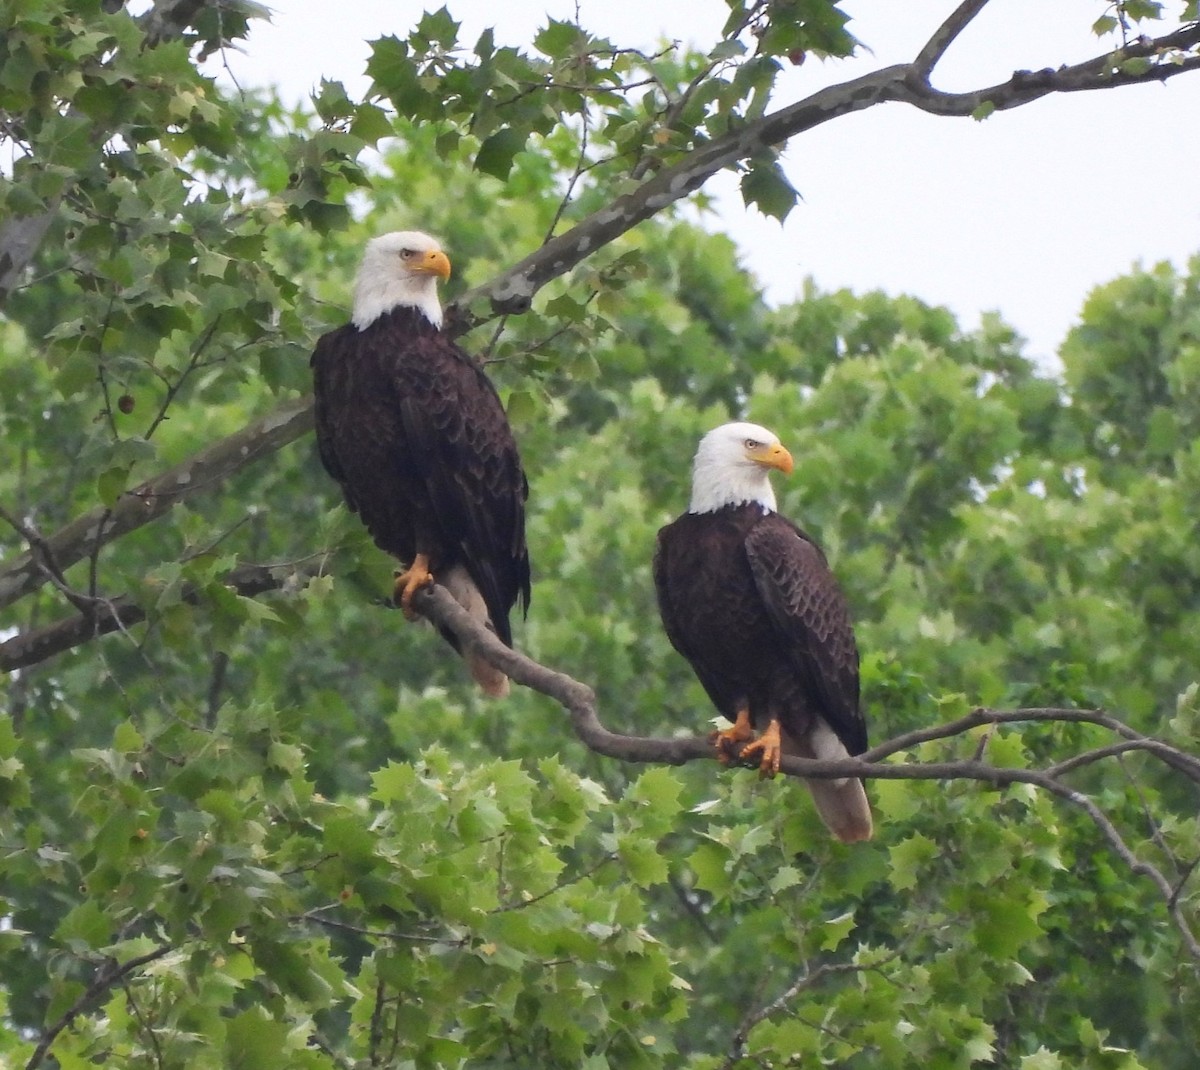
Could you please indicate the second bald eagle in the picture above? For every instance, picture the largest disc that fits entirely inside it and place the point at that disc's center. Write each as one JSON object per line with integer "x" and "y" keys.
{"x": 414, "y": 432}
{"x": 749, "y": 600}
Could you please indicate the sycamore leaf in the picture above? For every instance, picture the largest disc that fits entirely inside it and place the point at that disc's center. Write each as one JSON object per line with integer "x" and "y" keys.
{"x": 767, "y": 188}
{"x": 908, "y": 858}
{"x": 495, "y": 155}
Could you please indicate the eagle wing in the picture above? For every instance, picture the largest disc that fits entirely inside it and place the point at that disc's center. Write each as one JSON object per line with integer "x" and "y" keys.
{"x": 463, "y": 448}
{"x": 810, "y": 613}
{"x": 679, "y": 552}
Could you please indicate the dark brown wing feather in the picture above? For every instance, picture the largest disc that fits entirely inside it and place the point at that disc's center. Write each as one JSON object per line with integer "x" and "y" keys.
{"x": 675, "y": 559}
{"x": 709, "y": 608}
{"x": 810, "y": 612}
{"x": 414, "y": 432}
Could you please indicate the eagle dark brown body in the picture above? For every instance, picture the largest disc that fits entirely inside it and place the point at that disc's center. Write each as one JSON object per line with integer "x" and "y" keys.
{"x": 749, "y": 600}
{"x": 414, "y": 432}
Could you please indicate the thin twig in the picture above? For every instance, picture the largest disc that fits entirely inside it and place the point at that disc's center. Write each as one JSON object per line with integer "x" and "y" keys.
{"x": 583, "y": 875}
{"x": 377, "y": 934}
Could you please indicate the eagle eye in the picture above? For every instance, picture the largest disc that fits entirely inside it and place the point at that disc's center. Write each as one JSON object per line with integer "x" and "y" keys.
{"x": 750, "y": 444}
{"x": 406, "y": 254}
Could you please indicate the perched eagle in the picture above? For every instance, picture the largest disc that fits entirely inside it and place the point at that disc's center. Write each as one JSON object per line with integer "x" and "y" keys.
{"x": 414, "y": 432}
{"x": 749, "y": 600}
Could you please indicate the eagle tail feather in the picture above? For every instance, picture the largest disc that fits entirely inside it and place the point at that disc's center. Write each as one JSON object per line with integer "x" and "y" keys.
{"x": 842, "y": 803}
{"x": 458, "y": 582}
{"x": 843, "y": 807}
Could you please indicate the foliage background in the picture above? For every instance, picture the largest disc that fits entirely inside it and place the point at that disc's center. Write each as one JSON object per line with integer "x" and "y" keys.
{"x": 278, "y": 830}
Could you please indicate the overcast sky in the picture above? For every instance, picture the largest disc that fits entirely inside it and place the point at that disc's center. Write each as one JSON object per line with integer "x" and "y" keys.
{"x": 1023, "y": 213}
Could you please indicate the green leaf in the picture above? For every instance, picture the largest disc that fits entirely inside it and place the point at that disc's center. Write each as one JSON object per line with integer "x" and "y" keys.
{"x": 909, "y": 858}
{"x": 558, "y": 39}
{"x": 255, "y": 1041}
{"x": 437, "y": 28}
{"x": 393, "y": 783}
{"x": 522, "y": 407}
{"x": 111, "y": 484}
{"x": 835, "y": 930}
{"x": 728, "y": 49}
{"x": 710, "y": 862}
{"x": 767, "y": 188}
{"x": 127, "y": 738}
{"x": 1135, "y": 65}
{"x": 642, "y": 860}
{"x": 983, "y": 111}
{"x": 86, "y": 927}
{"x": 1042, "y": 1059}
{"x": 371, "y": 124}
{"x": 1007, "y": 925}
{"x": 495, "y": 155}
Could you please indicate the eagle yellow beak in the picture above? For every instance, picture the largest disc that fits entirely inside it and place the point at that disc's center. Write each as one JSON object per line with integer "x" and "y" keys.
{"x": 434, "y": 262}
{"x": 773, "y": 457}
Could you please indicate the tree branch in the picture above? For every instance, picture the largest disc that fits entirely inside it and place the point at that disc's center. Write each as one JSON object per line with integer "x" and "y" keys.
{"x": 808, "y": 978}
{"x": 513, "y": 291}
{"x": 136, "y": 507}
{"x": 579, "y": 700}
{"x": 1108, "y": 71}
{"x": 946, "y": 34}
{"x": 109, "y": 974}
{"x": 109, "y": 615}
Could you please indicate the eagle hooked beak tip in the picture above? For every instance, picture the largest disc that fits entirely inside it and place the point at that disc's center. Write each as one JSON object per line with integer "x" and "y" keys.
{"x": 435, "y": 262}
{"x": 775, "y": 456}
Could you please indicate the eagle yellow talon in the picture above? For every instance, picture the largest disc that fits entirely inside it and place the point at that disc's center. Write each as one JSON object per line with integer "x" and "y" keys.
{"x": 409, "y": 582}
{"x": 769, "y": 744}
{"x": 728, "y": 741}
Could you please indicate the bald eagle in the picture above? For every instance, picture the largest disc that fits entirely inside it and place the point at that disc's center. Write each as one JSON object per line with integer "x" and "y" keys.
{"x": 749, "y": 600}
{"x": 414, "y": 432}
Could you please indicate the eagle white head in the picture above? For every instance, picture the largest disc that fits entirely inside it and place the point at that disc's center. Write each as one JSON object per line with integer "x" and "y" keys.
{"x": 401, "y": 268}
{"x": 733, "y": 465}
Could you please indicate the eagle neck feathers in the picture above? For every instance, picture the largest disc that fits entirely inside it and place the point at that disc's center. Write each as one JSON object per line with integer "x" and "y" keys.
{"x": 716, "y": 486}
{"x": 375, "y": 296}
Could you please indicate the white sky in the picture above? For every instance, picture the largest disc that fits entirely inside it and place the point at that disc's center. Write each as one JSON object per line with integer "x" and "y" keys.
{"x": 1023, "y": 213}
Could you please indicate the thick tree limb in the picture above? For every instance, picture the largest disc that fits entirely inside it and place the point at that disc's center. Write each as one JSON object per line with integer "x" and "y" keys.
{"x": 579, "y": 701}
{"x": 206, "y": 469}
{"x": 513, "y": 291}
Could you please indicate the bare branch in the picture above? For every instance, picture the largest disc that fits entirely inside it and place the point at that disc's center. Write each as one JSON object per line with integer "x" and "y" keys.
{"x": 1109, "y": 71}
{"x": 946, "y": 34}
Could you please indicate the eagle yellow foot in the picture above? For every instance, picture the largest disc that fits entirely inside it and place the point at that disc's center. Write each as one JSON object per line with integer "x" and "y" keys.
{"x": 769, "y": 745}
{"x": 728, "y": 741}
{"x": 409, "y": 582}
